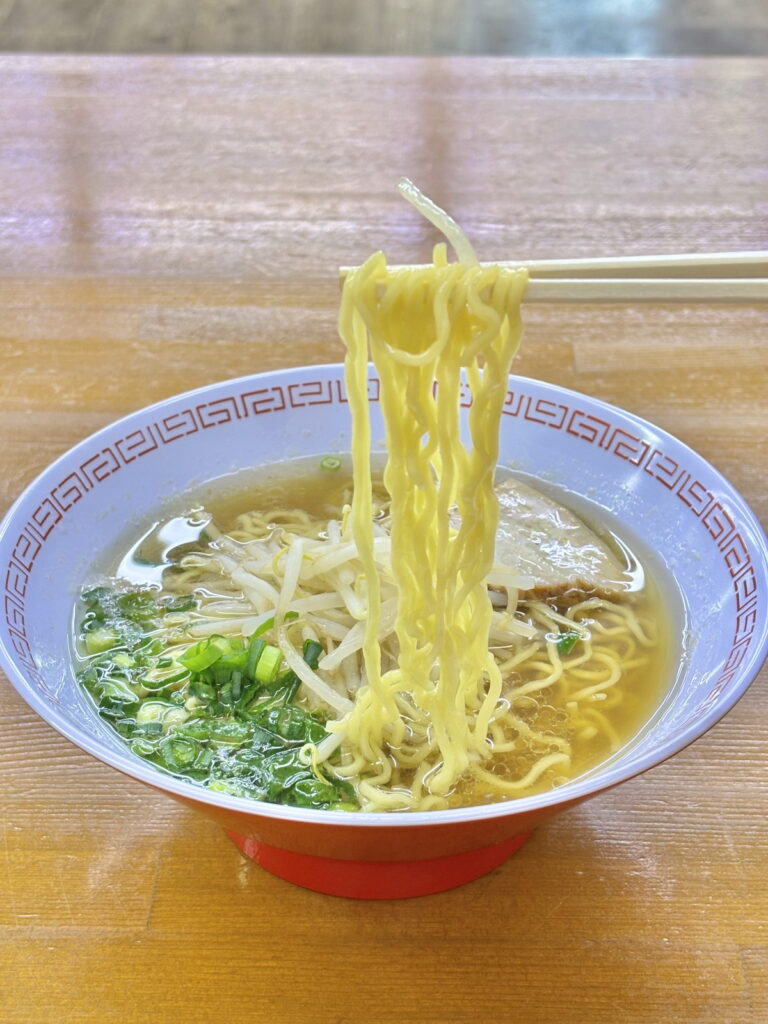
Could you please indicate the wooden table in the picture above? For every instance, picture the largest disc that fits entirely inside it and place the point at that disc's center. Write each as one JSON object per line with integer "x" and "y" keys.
{"x": 167, "y": 222}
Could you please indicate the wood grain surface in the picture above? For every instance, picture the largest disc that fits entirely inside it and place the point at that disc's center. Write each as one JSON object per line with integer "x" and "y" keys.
{"x": 168, "y": 222}
{"x": 541, "y": 28}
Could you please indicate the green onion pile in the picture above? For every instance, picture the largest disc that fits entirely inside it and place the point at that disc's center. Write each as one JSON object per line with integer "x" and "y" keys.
{"x": 221, "y": 711}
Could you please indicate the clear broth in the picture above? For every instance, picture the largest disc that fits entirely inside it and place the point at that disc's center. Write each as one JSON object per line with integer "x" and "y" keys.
{"x": 322, "y": 493}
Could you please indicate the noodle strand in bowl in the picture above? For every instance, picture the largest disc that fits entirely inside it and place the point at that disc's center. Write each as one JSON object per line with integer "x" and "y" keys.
{"x": 426, "y": 329}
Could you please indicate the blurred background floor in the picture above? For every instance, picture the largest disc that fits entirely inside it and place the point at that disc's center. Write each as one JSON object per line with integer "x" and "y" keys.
{"x": 632, "y": 28}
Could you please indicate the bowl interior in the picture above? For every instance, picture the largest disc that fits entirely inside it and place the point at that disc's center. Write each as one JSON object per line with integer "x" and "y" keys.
{"x": 703, "y": 539}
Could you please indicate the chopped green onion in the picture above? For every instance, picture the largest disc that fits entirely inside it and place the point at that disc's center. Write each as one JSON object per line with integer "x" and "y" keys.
{"x": 180, "y": 752}
{"x": 143, "y": 747}
{"x": 566, "y": 642}
{"x": 330, "y": 462}
{"x": 100, "y": 640}
{"x": 255, "y": 647}
{"x": 268, "y": 665}
{"x": 312, "y": 651}
{"x": 152, "y": 711}
{"x": 205, "y": 653}
{"x": 270, "y": 623}
{"x": 138, "y": 606}
{"x": 161, "y": 676}
{"x": 161, "y": 714}
{"x": 115, "y": 688}
{"x": 237, "y": 659}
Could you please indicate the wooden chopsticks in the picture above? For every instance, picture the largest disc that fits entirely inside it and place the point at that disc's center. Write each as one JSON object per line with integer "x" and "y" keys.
{"x": 706, "y": 277}
{"x": 647, "y": 289}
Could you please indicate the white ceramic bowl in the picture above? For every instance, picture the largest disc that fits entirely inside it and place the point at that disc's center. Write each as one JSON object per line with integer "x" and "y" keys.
{"x": 674, "y": 503}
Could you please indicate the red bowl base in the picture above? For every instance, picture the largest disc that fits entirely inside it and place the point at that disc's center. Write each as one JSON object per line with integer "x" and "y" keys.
{"x": 377, "y": 880}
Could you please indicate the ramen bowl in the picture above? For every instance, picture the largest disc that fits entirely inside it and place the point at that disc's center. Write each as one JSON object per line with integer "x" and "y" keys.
{"x": 696, "y": 530}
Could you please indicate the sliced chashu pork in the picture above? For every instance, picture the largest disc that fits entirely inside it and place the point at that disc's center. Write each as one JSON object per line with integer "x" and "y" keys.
{"x": 541, "y": 539}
